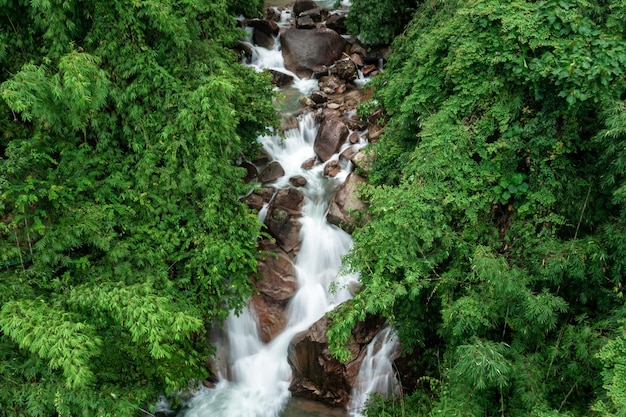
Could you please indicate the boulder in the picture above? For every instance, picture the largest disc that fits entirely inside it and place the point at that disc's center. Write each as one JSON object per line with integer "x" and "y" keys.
{"x": 304, "y": 50}
{"x": 259, "y": 197}
{"x": 344, "y": 69}
{"x": 280, "y": 79}
{"x": 298, "y": 181}
{"x": 315, "y": 14}
{"x": 309, "y": 163}
{"x": 319, "y": 376}
{"x": 331, "y": 134}
{"x": 303, "y": 5}
{"x": 319, "y": 97}
{"x": 271, "y": 172}
{"x": 357, "y": 59}
{"x": 251, "y": 171}
{"x": 271, "y": 315}
{"x": 362, "y": 161}
{"x": 332, "y": 168}
{"x": 266, "y": 26}
{"x": 337, "y": 22}
{"x": 345, "y": 202}
{"x": 288, "y": 198}
{"x": 305, "y": 22}
{"x": 285, "y": 227}
{"x": 331, "y": 84}
{"x": 277, "y": 274}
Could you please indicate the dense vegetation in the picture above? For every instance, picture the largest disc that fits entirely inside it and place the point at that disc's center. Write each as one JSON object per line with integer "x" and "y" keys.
{"x": 122, "y": 236}
{"x": 497, "y": 240}
{"x": 378, "y": 22}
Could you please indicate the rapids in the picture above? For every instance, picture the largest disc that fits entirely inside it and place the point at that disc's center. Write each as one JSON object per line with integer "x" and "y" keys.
{"x": 257, "y": 377}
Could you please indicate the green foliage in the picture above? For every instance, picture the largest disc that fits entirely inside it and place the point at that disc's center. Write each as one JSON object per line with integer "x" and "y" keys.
{"x": 496, "y": 240}
{"x": 378, "y": 22}
{"x": 122, "y": 235}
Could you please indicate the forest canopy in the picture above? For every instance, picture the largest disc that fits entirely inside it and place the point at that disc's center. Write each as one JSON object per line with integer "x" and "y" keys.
{"x": 122, "y": 233}
{"x": 497, "y": 239}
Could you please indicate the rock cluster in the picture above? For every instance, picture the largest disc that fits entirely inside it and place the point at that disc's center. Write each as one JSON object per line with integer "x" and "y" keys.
{"x": 313, "y": 47}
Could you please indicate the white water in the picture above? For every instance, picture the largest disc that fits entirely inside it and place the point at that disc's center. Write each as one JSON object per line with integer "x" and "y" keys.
{"x": 255, "y": 377}
{"x": 376, "y": 375}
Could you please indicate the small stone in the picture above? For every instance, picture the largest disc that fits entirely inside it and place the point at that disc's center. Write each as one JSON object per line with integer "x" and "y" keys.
{"x": 306, "y": 101}
{"x": 319, "y": 97}
{"x": 332, "y": 168}
{"x": 298, "y": 181}
{"x": 354, "y": 138}
{"x": 309, "y": 163}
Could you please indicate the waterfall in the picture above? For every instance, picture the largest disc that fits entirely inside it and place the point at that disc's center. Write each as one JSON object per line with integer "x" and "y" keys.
{"x": 376, "y": 375}
{"x": 255, "y": 377}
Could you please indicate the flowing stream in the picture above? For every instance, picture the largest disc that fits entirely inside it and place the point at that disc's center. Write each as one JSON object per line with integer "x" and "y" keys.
{"x": 257, "y": 384}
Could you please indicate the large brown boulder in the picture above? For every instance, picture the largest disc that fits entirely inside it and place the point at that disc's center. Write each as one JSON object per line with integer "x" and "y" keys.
{"x": 331, "y": 134}
{"x": 345, "y": 202}
{"x": 305, "y": 50}
{"x": 276, "y": 283}
{"x": 271, "y": 315}
{"x": 303, "y": 5}
{"x": 319, "y": 376}
{"x": 271, "y": 173}
{"x": 277, "y": 274}
{"x": 289, "y": 198}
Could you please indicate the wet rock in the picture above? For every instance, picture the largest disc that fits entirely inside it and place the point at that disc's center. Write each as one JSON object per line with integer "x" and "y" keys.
{"x": 344, "y": 69}
{"x": 288, "y": 123}
{"x": 331, "y": 84}
{"x": 357, "y": 59}
{"x": 280, "y": 79}
{"x": 262, "y": 158}
{"x": 251, "y": 171}
{"x": 337, "y": 22}
{"x": 363, "y": 162}
{"x": 285, "y": 227}
{"x": 306, "y": 101}
{"x": 262, "y": 39}
{"x": 306, "y": 49}
{"x": 316, "y": 14}
{"x": 369, "y": 69}
{"x": 319, "y": 97}
{"x": 375, "y": 125}
{"x": 266, "y": 26}
{"x": 289, "y": 198}
{"x": 277, "y": 274}
{"x": 271, "y": 314}
{"x": 303, "y": 5}
{"x": 258, "y": 198}
{"x": 298, "y": 181}
{"x": 345, "y": 202}
{"x": 305, "y": 22}
{"x": 331, "y": 134}
{"x": 272, "y": 14}
{"x": 354, "y": 138}
{"x": 309, "y": 163}
{"x": 319, "y": 376}
{"x": 357, "y": 48}
{"x": 271, "y": 173}
{"x": 350, "y": 151}
{"x": 332, "y": 168}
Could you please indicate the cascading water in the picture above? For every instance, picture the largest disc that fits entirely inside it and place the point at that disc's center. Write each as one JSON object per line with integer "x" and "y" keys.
{"x": 255, "y": 382}
{"x": 376, "y": 375}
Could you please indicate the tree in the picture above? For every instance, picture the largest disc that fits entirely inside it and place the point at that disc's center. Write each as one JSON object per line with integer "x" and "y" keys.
{"x": 122, "y": 235}
{"x": 378, "y": 22}
{"x": 496, "y": 240}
